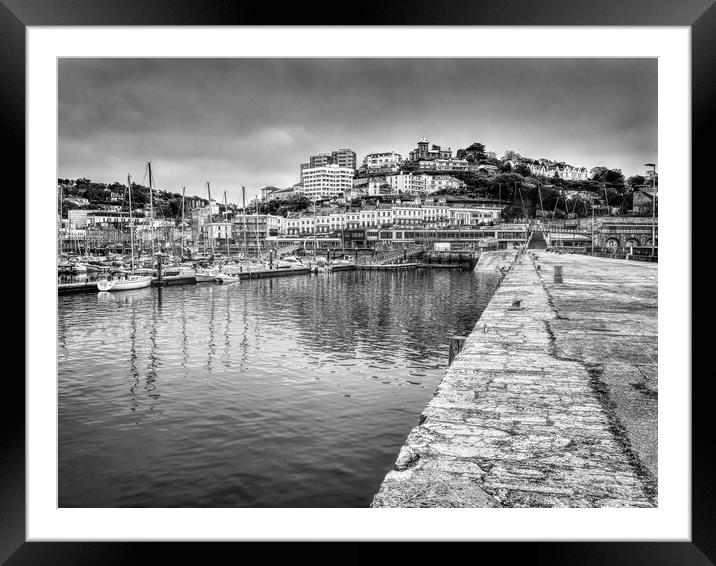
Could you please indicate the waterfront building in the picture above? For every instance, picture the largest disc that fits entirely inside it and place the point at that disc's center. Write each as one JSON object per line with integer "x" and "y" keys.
{"x": 327, "y": 181}
{"x": 429, "y": 213}
{"x": 77, "y": 219}
{"x": 300, "y": 224}
{"x": 427, "y": 152}
{"x": 265, "y": 225}
{"x": 220, "y": 230}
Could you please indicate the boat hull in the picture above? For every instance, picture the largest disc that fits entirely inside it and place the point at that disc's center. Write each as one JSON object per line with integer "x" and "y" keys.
{"x": 223, "y": 278}
{"x": 125, "y": 285}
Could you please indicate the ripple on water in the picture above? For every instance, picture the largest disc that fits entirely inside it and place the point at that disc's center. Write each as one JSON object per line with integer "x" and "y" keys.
{"x": 271, "y": 393}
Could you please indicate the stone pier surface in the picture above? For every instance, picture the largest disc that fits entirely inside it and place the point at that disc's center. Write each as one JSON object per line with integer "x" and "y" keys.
{"x": 552, "y": 404}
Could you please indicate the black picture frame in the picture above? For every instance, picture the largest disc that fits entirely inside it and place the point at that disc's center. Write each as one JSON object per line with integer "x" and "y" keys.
{"x": 699, "y": 15}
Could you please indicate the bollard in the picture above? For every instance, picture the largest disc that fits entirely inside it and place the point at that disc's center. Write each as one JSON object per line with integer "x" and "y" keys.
{"x": 516, "y": 305}
{"x": 558, "y": 274}
{"x": 456, "y": 345}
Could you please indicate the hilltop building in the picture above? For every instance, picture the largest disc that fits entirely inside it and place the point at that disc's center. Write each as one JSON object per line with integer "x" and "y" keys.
{"x": 427, "y": 152}
{"x": 384, "y": 162}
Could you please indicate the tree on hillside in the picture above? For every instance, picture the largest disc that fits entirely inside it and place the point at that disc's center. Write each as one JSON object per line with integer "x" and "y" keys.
{"x": 522, "y": 169}
{"x": 511, "y": 155}
{"x": 473, "y": 154}
{"x": 610, "y": 177}
{"x": 651, "y": 178}
{"x": 636, "y": 181}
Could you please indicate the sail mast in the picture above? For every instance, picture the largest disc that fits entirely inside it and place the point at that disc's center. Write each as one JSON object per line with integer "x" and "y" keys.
{"x": 59, "y": 229}
{"x": 183, "y": 191}
{"x": 151, "y": 209}
{"x": 131, "y": 222}
{"x": 258, "y": 244}
{"x": 243, "y": 210}
{"x": 226, "y": 231}
{"x": 211, "y": 235}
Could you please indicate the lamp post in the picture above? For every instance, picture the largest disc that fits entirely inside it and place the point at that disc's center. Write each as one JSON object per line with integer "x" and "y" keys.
{"x": 653, "y": 208}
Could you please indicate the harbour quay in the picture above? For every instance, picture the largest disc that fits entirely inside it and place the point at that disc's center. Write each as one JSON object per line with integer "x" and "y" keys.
{"x": 552, "y": 400}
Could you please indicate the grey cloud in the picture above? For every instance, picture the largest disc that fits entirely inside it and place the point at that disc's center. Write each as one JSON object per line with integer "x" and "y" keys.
{"x": 252, "y": 121}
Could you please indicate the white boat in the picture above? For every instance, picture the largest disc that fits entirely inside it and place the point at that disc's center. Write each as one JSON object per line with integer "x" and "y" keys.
{"x": 226, "y": 278}
{"x": 124, "y": 282}
{"x": 336, "y": 262}
{"x": 289, "y": 262}
{"x": 206, "y": 275}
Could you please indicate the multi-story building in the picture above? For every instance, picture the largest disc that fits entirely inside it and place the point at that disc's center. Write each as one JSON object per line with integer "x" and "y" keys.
{"x": 428, "y": 214}
{"x": 427, "y": 152}
{"x": 442, "y": 182}
{"x": 344, "y": 157}
{"x": 408, "y": 183}
{"x": 252, "y": 227}
{"x": 77, "y": 219}
{"x": 373, "y": 186}
{"x": 385, "y": 161}
{"x": 220, "y": 231}
{"x": 444, "y": 164}
{"x": 563, "y": 171}
{"x": 327, "y": 181}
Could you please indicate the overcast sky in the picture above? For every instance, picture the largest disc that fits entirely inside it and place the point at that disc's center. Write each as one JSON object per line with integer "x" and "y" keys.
{"x": 251, "y": 122}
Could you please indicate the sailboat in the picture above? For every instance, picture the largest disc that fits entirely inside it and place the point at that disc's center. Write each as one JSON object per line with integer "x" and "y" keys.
{"x": 122, "y": 281}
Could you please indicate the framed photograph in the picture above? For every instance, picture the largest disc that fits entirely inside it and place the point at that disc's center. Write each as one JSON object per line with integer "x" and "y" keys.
{"x": 393, "y": 281}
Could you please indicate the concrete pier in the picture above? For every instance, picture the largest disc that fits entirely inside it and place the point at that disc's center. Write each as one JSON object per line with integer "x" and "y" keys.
{"x": 551, "y": 402}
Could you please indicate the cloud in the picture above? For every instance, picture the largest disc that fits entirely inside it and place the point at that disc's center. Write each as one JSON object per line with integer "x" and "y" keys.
{"x": 253, "y": 121}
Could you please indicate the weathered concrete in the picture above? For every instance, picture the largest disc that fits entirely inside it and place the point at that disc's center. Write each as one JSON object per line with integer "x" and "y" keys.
{"x": 552, "y": 405}
{"x": 495, "y": 260}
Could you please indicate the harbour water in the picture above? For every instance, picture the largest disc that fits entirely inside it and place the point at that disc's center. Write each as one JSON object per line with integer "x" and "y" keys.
{"x": 293, "y": 392}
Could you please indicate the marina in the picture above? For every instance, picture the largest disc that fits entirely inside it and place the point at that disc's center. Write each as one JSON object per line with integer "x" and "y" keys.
{"x": 296, "y": 391}
{"x": 332, "y": 306}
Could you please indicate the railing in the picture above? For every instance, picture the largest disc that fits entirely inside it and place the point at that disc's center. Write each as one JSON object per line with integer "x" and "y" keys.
{"x": 391, "y": 256}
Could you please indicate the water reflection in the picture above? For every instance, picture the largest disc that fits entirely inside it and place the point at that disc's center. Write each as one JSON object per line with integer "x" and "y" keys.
{"x": 333, "y": 371}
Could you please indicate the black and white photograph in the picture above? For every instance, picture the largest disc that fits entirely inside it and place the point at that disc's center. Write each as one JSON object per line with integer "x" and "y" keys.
{"x": 337, "y": 282}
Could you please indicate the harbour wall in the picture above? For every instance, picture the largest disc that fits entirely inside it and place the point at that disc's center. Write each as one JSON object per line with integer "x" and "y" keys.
{"x": 552, "y": 401}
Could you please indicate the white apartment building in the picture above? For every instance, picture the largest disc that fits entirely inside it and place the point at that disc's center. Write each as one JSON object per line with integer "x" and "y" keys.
{"x": 409, "y": 213}
{"x": 385, "y": 160}
{"x": 326, "y": 181}
{"x": 413, "y": 184}
{"x": 444, "y": 164}
{"x": 77, "y": 219}
{"x": 440, "y": 182}
{"x": 408, "y": 183}
{"x": 220, "y": 230}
